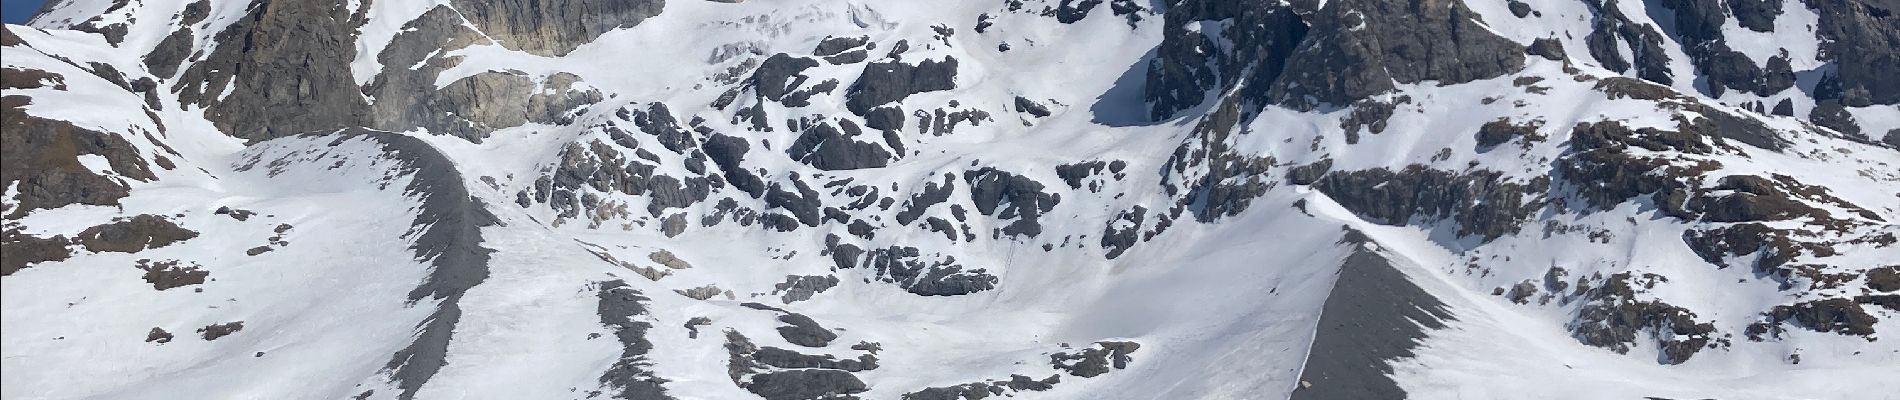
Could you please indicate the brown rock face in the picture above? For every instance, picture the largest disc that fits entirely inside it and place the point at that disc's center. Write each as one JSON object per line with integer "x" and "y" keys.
{"x": 554, "y": 27}
{"x": 129, "y": 235}
{"x": 42, "y": 157}
{"x": 287, "y": 68}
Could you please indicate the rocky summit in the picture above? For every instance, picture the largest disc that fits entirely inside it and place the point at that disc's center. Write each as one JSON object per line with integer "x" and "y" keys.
{"x": 951, "y": 200}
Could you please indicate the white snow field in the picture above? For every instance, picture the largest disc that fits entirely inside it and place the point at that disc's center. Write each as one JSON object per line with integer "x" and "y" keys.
{"x": 554, "y": 258}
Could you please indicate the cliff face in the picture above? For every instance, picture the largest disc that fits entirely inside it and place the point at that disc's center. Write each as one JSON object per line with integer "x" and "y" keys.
{"x": 1026, "y": 198}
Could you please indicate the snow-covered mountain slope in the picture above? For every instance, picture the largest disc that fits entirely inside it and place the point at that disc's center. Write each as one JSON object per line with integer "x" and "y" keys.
{"x": 1197, "y": 199}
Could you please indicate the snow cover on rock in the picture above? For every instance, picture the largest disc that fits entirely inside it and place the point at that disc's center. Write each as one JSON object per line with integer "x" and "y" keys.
{"x": 883, "y": 200}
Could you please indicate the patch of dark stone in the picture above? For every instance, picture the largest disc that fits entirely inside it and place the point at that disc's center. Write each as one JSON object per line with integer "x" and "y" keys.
{"x": 782, "y": 358}
{"x": 1613, "y": 318}
{"x": 803, "y": 204}
{"x": 1297, "y": 56}
{"x": 1548, "y": 48}
{"x": 832, "y": 45}
{"x": 1610, "y": 26}
{"x": 1095, "y": 360}
{"x": 19, "y": 250}
{"x": 1309, "y": 173}
{"x": 1120, "y": 234}
{"x": 1838, "y": 315}
{"x": 554, "y": 27}
{"x": 1862, "y": 40}
{"x": 825, "y": 147}
{"x": 1025, "y": 105}
{"x": 168, "y": 274}
{"x": 629, "y": 376}
{"x": 1499, "y": 131}
{"x": 1206, "y": 175}
{"x": 982, "y": 390}
{"x": 1006, "y": 196}
{"x": 40, "y": 157}
{"x": 884, "y": 82}
{"x": 215, "y": 331}
{"x": 692, "y": 326}
{"x": 1884, "y": 279}
{"x": 1075, "y": 174}
{"x": 239, "y": 83}
{"x": 932, "y": 194}
{"x": 19, "y": 79}
{"x": 910, "y": 270}
{"x": 1373, "y": 314}
{"x": 1370, "y": 115}
{"x": 802, "y": 287}
{"x": 158, "y": 335}
{"x": 796, "y": 384}
{"x": 941, "y": 122}
{"x": 235, "y": 213}
{"x": 1603, "y": 173}
{"x": 1481, "y": 203}
{"x": 133, "y": 234}
{"x": 1697, "y": 24}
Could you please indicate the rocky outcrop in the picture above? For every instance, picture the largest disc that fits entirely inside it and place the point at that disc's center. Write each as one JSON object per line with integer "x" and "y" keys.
{"x": 407, "y": 98}
{"x": 133, "y": 234}
{"x": 554, "y": 27}
{"x": 1480, "y": 203}
{"x": 1009, "y": 196}
{"x": 19, "y": 250}
{"x": 282, "y": 69}
{"x": 39, "y": 157}
{"x": 825, "y": 147}
{"x": 1095, "y": 360}
{"x": 910, "y": 269}
{"x": 800, "y": 288}
{"x": 1613, "y": 316}
{"x": 1647, "y": 55}
{"x": 1863, "y": 43}
{"x": 1292, "y": 55}
{"x": 884, "y": 82}
{"x": 168, "y": 274}
{"x": 1373, "y": 315}
{"x": 630, "y": 376}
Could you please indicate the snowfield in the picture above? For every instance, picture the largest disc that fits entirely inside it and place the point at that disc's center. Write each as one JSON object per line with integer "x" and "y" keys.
{"x": 698, "y": 204}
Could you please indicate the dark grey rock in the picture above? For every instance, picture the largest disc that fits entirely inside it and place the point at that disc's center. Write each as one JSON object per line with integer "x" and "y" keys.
{"x": 1756, "y": 15}
{"x": 630, "y": 375}
{"x": 1006, "y": 195}
{"x": 1610, "y": 26}
{"x": 215, "y": 331}
{"x": 1117, "y": 238}
{"x": 802, "y": 287}
{"x": 133, "y": 234}
{"x": 805, "y": 384}
{"x": 932, "y": 194}
{"x": 283, "y": 69}
{"x": 1548, "y": 48}
{"x": 1025, "y": 105}
{"x": 1480, "y": 203}
{"x": 827, "y": 148}
{"x": 1373, "y": 315}
{"x": 783, "y": 358}
{"x": 803, "y": 331}
{"x": 554, "y": 27}
{"x": 884, "y": 82}
{"x": 939, "y": 275}
{"x": 1612, "y": 317}
{"x": 1096, "y": 359}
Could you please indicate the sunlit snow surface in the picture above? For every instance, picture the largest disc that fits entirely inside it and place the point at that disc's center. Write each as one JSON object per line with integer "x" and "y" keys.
{"x": 1224, "y": 310}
